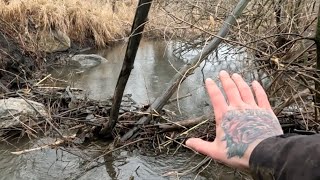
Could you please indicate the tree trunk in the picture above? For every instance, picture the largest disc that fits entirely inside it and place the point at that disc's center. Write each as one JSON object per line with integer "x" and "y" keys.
{"x": 187, "y": 69}
{"x": 317, "y": 85}
{"x": 132, "y": 48}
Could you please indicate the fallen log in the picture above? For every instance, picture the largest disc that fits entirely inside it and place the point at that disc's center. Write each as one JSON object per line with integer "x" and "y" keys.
{"x": 188, "y": 69}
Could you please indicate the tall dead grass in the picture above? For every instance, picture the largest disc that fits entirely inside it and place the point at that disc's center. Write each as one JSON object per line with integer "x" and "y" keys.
{"x": 80, "y": 19}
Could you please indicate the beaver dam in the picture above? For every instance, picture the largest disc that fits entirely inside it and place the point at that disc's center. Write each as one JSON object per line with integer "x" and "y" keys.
{"x": 72, "y": 106}
{"x": 125, "y": 112}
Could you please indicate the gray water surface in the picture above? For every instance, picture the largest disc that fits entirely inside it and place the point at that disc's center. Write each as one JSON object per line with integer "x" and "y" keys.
{"x": 155, "y": 65}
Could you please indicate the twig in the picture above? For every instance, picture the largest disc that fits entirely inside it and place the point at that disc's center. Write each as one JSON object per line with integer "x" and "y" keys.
{"x": 4, "y": 88}
{"x": 179, "y": 98}
{"x": 37, "y": 84}
{"x": 182, "y": 124}
{"x": 58, "y": 88}
{"x": 57, "y": 143}
{"x": 46, "y": 119}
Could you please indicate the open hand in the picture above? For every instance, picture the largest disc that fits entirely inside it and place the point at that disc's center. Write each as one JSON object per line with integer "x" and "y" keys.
{"x": 241, "y": 122}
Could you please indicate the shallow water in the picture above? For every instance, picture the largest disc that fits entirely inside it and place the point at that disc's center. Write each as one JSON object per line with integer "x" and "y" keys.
{"x": 153, "y": 69}
{"x": 57, "y": 164}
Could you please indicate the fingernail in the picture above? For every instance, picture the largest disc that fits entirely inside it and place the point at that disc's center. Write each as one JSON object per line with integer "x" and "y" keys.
{"x": 235, "y": 75}
{"x": 189, "y": 142}
{"x": 209, "y": 79}
{"x": 255, "y": 82}
{"x": 223, "y": 73}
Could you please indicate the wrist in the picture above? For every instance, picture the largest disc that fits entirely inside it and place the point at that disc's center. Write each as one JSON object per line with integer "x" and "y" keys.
{"x": 243, "y": 162}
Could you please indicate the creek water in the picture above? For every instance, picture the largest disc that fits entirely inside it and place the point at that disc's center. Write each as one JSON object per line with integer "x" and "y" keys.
{"x": 155, "y": 65}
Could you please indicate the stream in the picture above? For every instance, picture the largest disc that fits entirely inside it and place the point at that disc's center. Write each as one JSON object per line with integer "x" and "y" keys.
{"x": 154, "y": 67}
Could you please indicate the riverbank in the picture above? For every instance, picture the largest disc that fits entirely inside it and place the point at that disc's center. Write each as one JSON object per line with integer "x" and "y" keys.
{"x": 99, "y": 23}
{"x": 36, "y": 33}
{"x": 80, "y": 20}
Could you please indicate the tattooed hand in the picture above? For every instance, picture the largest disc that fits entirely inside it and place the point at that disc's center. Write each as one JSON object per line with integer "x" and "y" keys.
{"x": 241, "y": 124}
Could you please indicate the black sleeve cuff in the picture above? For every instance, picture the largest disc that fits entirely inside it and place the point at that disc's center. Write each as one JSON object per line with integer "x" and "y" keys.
{"x": 289, "y": 156}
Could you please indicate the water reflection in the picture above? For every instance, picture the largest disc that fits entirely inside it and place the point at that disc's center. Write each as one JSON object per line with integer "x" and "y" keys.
{"x": 153, "y": 69}
{"x": 54, "y": 164}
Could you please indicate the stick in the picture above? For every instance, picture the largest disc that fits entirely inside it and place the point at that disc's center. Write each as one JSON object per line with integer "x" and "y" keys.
{"x": 45, "y": 118}
{"x": 4, "y": 88}
{"x": 58, "y": 142}
{"x": 37, "y": 84}
{"x": 177, "y": 99}
{"x": 59, "y": 88}
{"x": 290, "y": 100}
{"x": 133, "y": 44}
{"x": 182, "y": 124}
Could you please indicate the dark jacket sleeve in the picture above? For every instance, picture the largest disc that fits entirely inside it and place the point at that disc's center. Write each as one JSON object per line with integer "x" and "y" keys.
{"x": 287, "y": 157}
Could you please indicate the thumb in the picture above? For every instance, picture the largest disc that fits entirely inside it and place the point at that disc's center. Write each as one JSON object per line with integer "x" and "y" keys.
{"x": 201, "y": 146}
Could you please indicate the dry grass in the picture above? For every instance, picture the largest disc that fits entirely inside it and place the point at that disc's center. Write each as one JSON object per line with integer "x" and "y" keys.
{"x": 80, "y": 19}
{"x": 94, "y": 19}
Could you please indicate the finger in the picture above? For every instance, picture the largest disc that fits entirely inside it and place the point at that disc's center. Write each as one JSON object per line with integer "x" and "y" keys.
{"x": 217, "y": 99}
{"x": 261, "y": 96}
{"x": 230, "y": 89}
{"x": 203, "y": 147}
{"x": 244, "y": 90}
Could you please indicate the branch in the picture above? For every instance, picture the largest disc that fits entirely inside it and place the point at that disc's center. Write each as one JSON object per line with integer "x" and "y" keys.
{"x": 187, "y": 69}
{"x": 133, "y": 44}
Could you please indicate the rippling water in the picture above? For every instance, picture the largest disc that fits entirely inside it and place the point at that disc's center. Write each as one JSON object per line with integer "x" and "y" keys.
{"x": 57, "y": 164}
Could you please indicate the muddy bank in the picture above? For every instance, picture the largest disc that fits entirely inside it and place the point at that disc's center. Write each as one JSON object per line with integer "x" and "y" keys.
{"x": 16, "y": 63}
{"x": 24, "y": 62}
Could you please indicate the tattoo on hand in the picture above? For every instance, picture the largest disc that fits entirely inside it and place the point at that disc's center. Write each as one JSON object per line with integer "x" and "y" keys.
{"x": 243, "y": 127}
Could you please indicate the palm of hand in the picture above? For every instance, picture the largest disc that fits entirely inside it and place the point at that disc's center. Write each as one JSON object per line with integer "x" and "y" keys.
{"x": 241, "y": 124}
